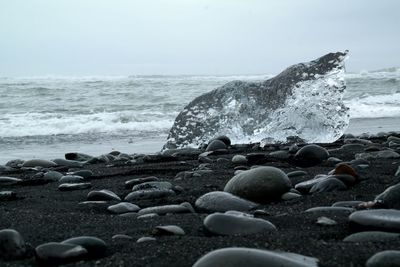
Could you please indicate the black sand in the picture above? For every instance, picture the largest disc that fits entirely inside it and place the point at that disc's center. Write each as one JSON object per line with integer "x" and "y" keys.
{"x": 44, "y": 214}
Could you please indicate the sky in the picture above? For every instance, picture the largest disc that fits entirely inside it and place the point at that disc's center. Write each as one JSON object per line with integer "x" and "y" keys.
{"x": 168, "y": 37}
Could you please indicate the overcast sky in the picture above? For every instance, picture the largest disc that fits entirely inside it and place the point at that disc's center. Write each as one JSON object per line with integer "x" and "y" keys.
{"x": 127, "y": 37}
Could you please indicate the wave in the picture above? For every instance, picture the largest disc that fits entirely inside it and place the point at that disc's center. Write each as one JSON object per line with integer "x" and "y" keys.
{"x": 375, "y": 106}
{"x": 33, "y": 124}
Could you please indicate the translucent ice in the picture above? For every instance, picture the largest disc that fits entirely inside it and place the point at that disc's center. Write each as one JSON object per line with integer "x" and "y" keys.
{"x": 305, "y": 100}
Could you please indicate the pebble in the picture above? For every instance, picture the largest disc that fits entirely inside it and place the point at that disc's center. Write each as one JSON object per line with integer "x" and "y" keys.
{"x": 53, "y": 175}
{"x": 347, "y": 204}
{"x": 78, "y": 156}
{"x": 223, "y": 201}
{"x": 145, "y": 239}
{"x": 147, "y": 216}
{"x": 71, "y": 179}
{"x": 15, "y": 163}
{"x": 224, "y": 139}
{"x": 74, "y": 186}
{"x": 261, "y": 184}
{"x": 39, "y": 163}
{"x": 152, "y": 186}
{"x": 280, "y": 154}
{"x": 168, "y": 230}
{"x": 236, "y": 224}
{"x": 216, "y": 145}
{"x": 390, "y": 198}
{"x": 103, "y": 194}
{"x": 344, "y": 168}
{"x": 123, "y": 207}
{"x": 121, "y": 237}
{"x": 130, "y": 183}
{"x": 378, "y": 219}
{"x": 53, "y": 253}
{"x": 326, "y": 221}
{"x": 165, "y": 209}
{"x": 239, "y": 160}
{"x": 149, "y": 194}
{"x": 330, "y": 210}
{"x": 9, "y": 180}
{"x": 327, "y": 185}
{"x": 372, "y": 236}
{"x": 385, "y": 154}
{"x": 250, "y": 257}
{"x": 311, "y": 155}
{"x": 69, "y": 163}
{"x": 12, "y": 245}
{"x": 290, "y": 196}
{"x": 387, "y": 258}
{"x": 95, "y": 247}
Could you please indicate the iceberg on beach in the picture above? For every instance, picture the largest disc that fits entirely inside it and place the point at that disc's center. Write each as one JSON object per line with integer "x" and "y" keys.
{"x": 305, "y": 100}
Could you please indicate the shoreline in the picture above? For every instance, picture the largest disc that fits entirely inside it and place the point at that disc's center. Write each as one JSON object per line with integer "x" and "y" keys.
{"x": 42, "y": 213}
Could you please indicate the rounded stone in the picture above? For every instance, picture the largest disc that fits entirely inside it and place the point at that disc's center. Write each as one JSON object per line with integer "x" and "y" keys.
{"x": 236, "y": 224}
{"x": 372, "y": 236}
{"x": 344, "y": 168}
{"x": 250, "y": 257}
{"x": 215, "y": 145}
{"x": 95, "y": 247}
{"x": 12, "y": 245}
{"x": 311, "y": 155}
{"x": 223, "y": 201}
{"x": 224, "y": 139}
{"x": 328, "y": 185}
{"x": 74, "y": 186}
{"x": 57, "y": 253}
{"x": 168, "y": 230}
{"x": 390, "y": 198}
{"x": 382, "y": 219}
{"x": 71, "y": 179}
{"x": 123, "y": 207}
{"x": 103, "y": 194}
{"x": 165, "y": 209}
{"x": 261, "y": 184}
{"x": 387, "y": 258}
{"x": 239, "y": 160}
{"x": 130, "y": 183}
{"x": 4, "y": 180}
{"x": 39, "y": 163}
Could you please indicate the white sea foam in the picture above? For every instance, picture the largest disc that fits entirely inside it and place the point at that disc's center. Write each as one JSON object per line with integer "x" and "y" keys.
{"x": 31, "y": 124}
{"x": 375, "y": 106}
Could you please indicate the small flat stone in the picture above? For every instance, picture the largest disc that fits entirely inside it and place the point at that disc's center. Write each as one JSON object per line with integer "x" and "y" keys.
{"x": 153, "y": 186}
{"x": 145, "y": 239}
{"x": 122, "y": 237}
{"x": 311, "y": 155}
{"x": 390, "y": 198}
{"x": 330, "y": 210}
{"x": 327, "y": 185}
{"x": 147, "y": 216}
{"x": 95, "y": 247}
{"x": 76, "y": 156}
{"x": 326, "y": 221}
{"x": 236, "y": 224}
{"x": 168, "y": 230}
{"x": 130, "y": 183}
{"x": 39, "y": 163}
{"x": 103, "y": 194}
{"x": 165, "y": 209}
{"x": 372, "y": 236}
{"x": 69, "y": 163}
{"x": 57, "y": 253}
{"x": 123, "y": 207}
{"x": 223, "y": 201}
{"x": 304, "y": 187}
{"x": 347, "y": 204}
{"x": 250, "y": 257}
{"x": 74, "y": 186}
{"x": 12, "y": 245}
{"x": 53, "y": 175}
{"x": 387, "y": 258}
{"x": 149, "y": 194}
{"x": 83, "y": 173}
{"x": 290, "y": 196}
{"x": 239, "y": 160}
{"x": 379, "y": 219}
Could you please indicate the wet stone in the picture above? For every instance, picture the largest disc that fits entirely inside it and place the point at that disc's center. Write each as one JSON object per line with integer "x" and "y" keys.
{"x": 95, "y": 247}
{"x": 130, "y": 183}
{"x": 12, "y": 245}
{"x": 223, "y": 201}
{"x": 102, "y": 195}
{"x": 236, "y": 224}
{"x": 390, "y": 198}
{"x": 330, "y": 210}
{"x": 83, "y": 173}
{"x": 39, "y": 163}
{"x": 347, "y": 204}
{"x": 296, "y": 174}
{"x": 250, "y": 257}
{"x": 216, "y": 145}
{"x": 168, "y": 230}
{"x": 311, "y": 155}
{"x": 149, "y": 194}
{"x": 4, "y": 180}
{"x": 387, "y": 258}
{"x": 145, "y": 239}
{"x": 327, "y": 185}
{"x": 239, "y": 160}
{"x": 372, "y": 236}
{"x": 152, "y": 186}
{"x": 165, "y": 209}
{"x": 53, "y": 175}
{"x": 57, "y": 253}
{"x": 379, "y": 219}
{"x": 71, "y": 179}
{"x": 74, "y": 186}
{"x": 123, "y": 207}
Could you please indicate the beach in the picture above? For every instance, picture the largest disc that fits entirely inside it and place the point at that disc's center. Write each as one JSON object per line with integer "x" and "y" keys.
{"x": 42, "y": 213}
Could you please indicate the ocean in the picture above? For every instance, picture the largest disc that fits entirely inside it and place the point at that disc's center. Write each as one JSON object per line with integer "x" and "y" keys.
{"x": 45, "y": 117}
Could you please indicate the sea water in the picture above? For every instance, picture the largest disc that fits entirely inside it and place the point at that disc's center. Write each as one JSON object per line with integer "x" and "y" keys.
{"x": 45, "y": 117}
